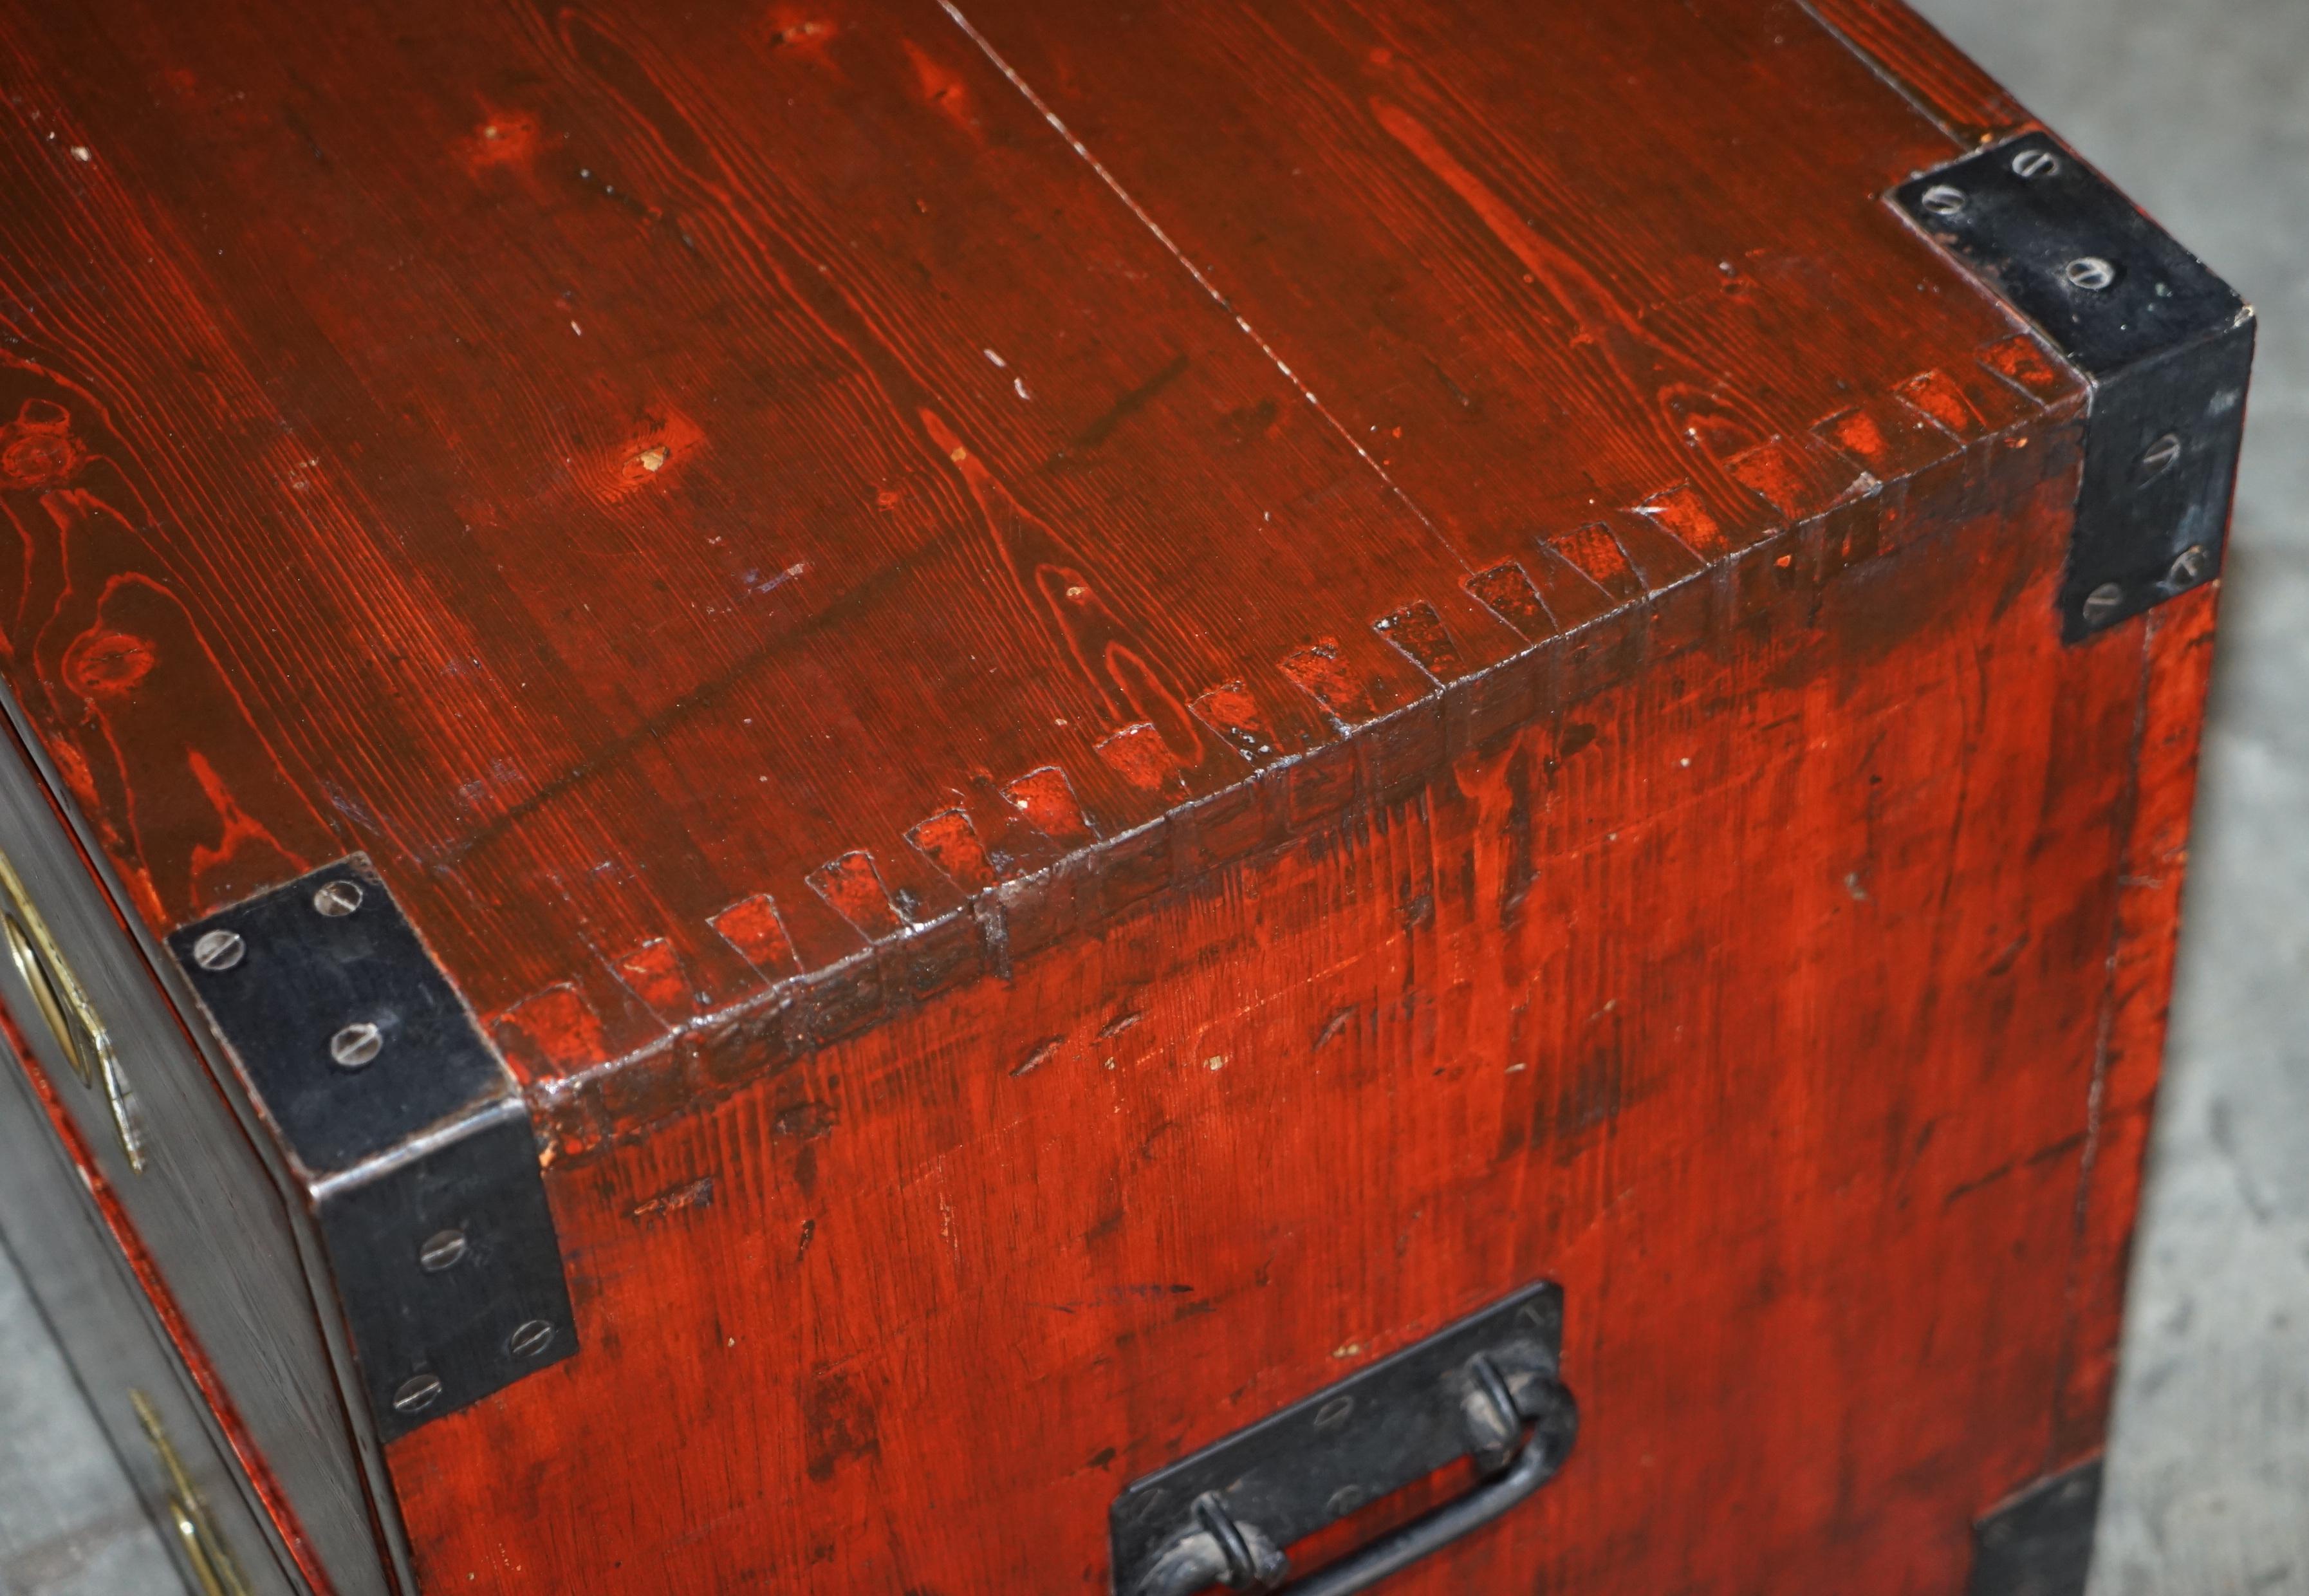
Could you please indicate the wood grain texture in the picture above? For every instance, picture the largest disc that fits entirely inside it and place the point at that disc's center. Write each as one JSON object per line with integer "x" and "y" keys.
{"x": 1115, "y": 708}
{"x": 1941, "y": 80}
{"x": 2178, "y": 669}
{"x": 619, "y": 474}
{"x": 1811, "y": 924}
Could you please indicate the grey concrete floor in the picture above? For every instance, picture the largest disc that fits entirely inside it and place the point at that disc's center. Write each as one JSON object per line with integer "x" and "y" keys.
{"x": 2201, "y": 109}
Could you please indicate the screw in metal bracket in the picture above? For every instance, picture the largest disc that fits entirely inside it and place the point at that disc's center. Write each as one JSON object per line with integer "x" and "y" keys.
{"x": 417, "y": 1394}
{"x": 2189, "y": 566}
{"x": 529, "y": 1339}
{"x": 440, "y": 1250}
{"x": 219, "y": 950}
{"x": 1942, "y": 199}
{"x": 2102, "y": 602}
{"x": 2036, "y": 163}
{"x": 357, "y": 1045}
{"x": 338, "y": 898}
{"x": 2091, "y": 274}
{"x": 2159, "y": 458}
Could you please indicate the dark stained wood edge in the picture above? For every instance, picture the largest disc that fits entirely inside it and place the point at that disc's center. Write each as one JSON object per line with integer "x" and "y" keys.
{"x": 1912, "y": 55}
{"x": 1934, "y": 426}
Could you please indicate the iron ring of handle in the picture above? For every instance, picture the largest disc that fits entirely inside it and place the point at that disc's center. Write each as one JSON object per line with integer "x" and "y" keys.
{"x": 1199, "y": 1561}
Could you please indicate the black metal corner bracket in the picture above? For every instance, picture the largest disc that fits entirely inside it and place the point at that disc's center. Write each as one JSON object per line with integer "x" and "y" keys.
{"x": 2040, "y": 1542}
{"x": 1485, "y": 1388}
{"x": 2165, "y": 346}
{"x": 409, "y": 1132}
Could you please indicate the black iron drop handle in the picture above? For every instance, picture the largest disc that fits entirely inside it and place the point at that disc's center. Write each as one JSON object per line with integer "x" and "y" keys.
{"x": 1241, "y": 1556}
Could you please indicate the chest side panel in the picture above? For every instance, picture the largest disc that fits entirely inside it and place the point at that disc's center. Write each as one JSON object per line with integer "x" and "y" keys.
{"x": 195, "y": 1200}
{"x": 61, "y": 1231}
{"x": 1757, "y": 999}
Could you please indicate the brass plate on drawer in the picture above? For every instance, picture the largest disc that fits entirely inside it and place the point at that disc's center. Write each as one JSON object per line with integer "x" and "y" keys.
{"x": 188, "y": 1517}
{"x": 63, "y": 1003}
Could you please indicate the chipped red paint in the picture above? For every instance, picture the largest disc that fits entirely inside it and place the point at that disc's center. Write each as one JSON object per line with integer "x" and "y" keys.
{"x": 1967, "y": 401}
{"x": 1683, "y": 514}
{"x": 854, "y": 888}
{"x": 753, "y": 927}
{"x": 1230, "y": 710}
{"x": 943, "y": 88}
{"x": 501, "y": 138}
{"x": 1507, "y": 591}
{"x": 2023, "y": 361}
{"x": 1598, "y": 554}
{"x": 1420, "y": 633}
{"x": 950, "y": 841}
{"x": 1888, "y": 438}
{"x": 1797, "y": 483}
{"x": 654, "y": 971}
{"x": 1139, "y": 755}
{"x": 1573, "y": 598}
{"x": 649, "y": 457}
{"x": 1046, "y": 799}
{"x": 1326, "y": 678}
{"x": 551, "y": 1032}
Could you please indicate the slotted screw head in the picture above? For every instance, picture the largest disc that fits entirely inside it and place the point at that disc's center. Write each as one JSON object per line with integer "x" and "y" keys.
{"x": 338, "y": 898}
{"x": 2102, "y": 602}
{"x": 2188, "y": 565}
{"x": 2159, "y": 457}
{"x": 417, "y": 1394}
{"x": 1943, "y": 199}
{"x": 440, "y": 1250}
{"x": 529, "y": 1339}
{"x": 2036, "y": 163}
{"x": 355, "y": 1046}
{"x": 219, "y": 950}
{"x": 2090, "y": 272}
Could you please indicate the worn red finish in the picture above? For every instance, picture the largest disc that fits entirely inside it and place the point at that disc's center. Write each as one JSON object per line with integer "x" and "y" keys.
{"x": 1114, "y": 709}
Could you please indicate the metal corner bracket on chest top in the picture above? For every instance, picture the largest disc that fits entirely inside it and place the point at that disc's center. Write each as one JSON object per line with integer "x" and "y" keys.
{"x": 2164, "y": 345}
{"x": 410, "y": 1136}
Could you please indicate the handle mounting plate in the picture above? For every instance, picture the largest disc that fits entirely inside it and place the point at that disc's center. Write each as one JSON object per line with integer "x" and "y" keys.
{"x": 1351, "y": 1443}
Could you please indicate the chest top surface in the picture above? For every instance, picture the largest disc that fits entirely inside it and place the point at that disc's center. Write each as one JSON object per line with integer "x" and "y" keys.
{"x": 694, "y": 492}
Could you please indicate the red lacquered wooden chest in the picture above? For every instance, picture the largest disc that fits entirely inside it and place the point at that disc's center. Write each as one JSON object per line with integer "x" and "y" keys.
{"x": 959, "y": 796}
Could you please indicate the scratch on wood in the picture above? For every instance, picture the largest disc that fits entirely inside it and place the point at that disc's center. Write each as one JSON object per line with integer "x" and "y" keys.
{"x": 694, "y": 1194}
{"x": 1136, "y": 399}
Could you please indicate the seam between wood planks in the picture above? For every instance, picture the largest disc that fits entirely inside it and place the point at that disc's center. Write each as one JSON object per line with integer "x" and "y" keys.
{"x": 1202, "y": 279}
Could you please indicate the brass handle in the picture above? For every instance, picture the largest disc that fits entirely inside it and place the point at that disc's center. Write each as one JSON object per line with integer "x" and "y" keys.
{"x": 63, "y": 1003}
{"x": 196, "y": 1533}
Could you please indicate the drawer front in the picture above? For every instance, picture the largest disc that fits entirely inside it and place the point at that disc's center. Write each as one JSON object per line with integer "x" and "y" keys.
{"x": 163, "y": 1429}
{"x": 186, "y": 1169}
